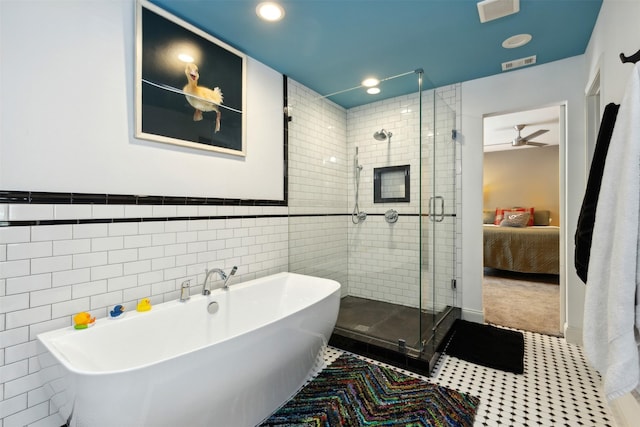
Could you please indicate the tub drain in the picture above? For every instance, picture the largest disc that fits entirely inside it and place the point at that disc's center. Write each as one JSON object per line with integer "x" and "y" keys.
{"x": 213, "y": 307}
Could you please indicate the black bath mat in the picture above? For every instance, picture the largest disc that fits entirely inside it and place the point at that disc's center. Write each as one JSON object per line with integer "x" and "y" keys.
{"x": 486, "y": 345}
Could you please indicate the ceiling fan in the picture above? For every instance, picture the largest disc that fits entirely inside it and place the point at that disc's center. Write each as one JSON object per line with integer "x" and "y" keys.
{"x": 519, "y": 141}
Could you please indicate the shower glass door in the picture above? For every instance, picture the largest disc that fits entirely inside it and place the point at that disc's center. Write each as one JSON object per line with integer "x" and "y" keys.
{"x": 438, "y": 221}
{"x": 382, "y": 307}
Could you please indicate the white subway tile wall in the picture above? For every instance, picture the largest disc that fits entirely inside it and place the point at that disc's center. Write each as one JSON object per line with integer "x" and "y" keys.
{"x": 384, "y": 261}
{"x": 50, "y": 272}
{"x": 317, "y": 186}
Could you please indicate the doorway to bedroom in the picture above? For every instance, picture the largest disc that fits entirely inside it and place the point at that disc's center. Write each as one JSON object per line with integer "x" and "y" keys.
{"x": 521, "y": 219}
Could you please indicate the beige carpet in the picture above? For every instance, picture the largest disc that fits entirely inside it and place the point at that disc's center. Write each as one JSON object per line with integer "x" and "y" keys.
{"x": 518, "y": 302}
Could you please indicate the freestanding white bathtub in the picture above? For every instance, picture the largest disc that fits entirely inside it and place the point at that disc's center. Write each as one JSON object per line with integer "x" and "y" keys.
{"x": 179, "y": 365}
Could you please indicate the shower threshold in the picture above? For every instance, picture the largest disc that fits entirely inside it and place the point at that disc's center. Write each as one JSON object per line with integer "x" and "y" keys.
{"x": 390, "y": 332}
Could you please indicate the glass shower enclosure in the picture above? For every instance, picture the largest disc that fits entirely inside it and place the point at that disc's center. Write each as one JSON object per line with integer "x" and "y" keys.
{"x": 372, "y": 204}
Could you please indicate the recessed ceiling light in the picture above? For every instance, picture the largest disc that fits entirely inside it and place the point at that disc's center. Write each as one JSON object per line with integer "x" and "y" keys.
{"x": 370, "y": 82}
{"x": 270, "y": 11}
{"x": 373, "y": 90}
{"x": 516, "y": 41}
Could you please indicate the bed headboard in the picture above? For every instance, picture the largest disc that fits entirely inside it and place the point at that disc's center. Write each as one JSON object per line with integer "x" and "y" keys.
{"x": 541, "y": 217}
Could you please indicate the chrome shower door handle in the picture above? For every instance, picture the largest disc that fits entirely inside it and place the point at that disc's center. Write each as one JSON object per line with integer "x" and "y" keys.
{"x": 441, "y": 214}
{"x": 432, "y": 206}
{"x": 433, "y": 215}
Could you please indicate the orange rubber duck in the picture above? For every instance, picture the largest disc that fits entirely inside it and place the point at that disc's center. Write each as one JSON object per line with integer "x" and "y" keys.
{"x": 83, "y": 320}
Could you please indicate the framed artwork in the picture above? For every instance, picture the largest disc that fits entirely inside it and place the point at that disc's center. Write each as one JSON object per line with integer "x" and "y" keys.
{"x": 190, "y": 86}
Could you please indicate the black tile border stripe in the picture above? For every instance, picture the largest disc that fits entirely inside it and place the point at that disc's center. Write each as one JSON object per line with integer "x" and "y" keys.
{"x": 35, "y": 197}
{"x": 122, "y": 220}
{"x": 176, "y": 218}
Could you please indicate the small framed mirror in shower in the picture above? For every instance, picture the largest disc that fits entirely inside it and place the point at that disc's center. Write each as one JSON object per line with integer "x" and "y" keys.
{"x": 391, "y": 184}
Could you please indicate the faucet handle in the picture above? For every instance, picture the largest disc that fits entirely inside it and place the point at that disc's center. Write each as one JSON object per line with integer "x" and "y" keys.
{"x": 184, "y": 290}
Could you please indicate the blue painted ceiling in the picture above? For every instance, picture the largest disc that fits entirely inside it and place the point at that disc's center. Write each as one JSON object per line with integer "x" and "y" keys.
{"x": 331, "y": 45}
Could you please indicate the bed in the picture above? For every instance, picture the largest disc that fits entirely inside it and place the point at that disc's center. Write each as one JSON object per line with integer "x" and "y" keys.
{"x": 528, "y": 249}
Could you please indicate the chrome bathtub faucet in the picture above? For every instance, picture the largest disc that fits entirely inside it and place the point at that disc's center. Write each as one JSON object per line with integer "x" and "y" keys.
{"x": 222, "y": 275}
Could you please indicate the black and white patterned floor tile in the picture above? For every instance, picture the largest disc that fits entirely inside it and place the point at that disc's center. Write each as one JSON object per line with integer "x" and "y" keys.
{"x": 558, "y": 387}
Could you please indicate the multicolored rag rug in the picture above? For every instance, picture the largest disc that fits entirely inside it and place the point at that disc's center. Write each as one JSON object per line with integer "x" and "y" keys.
{"x": 351, "y": 392}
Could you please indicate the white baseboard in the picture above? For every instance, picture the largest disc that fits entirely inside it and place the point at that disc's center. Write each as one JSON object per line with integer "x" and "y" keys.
{"x": 473, "y": 315}
{"x": 573, "y": 335}
{"x": 626, "y": 411}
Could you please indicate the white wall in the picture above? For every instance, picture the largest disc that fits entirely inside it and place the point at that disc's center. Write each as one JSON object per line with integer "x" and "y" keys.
{"x": 560, "y": 82}
{"x": 67, "y": 107}
{"x": 616, "y": 31}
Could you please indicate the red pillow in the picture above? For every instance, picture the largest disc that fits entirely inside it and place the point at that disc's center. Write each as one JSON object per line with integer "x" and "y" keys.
{"x": 500, "y": 214}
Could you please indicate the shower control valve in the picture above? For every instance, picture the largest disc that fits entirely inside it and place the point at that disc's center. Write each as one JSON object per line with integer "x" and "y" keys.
{"x": 391, "y": 216}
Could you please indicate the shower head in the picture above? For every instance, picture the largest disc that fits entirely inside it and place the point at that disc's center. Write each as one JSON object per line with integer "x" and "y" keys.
{"x": 382, "y": 134}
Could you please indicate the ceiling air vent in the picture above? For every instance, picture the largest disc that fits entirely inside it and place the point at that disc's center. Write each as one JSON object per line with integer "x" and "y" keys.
{"x": 494, "y": 9}
{"x": 517, "y": 63}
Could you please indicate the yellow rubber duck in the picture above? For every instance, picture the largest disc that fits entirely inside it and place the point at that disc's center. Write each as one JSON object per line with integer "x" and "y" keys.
{"x": 144, "y": 305}
{"x": 83, "y": 320}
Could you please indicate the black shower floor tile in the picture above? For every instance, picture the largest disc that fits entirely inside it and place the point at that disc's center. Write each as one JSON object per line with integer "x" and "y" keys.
{"x": 390, "y": 332}
{"x": 385, "y": 321}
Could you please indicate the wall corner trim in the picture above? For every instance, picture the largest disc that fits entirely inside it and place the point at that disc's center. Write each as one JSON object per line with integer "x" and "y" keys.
{"x": 626, "y": 410}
